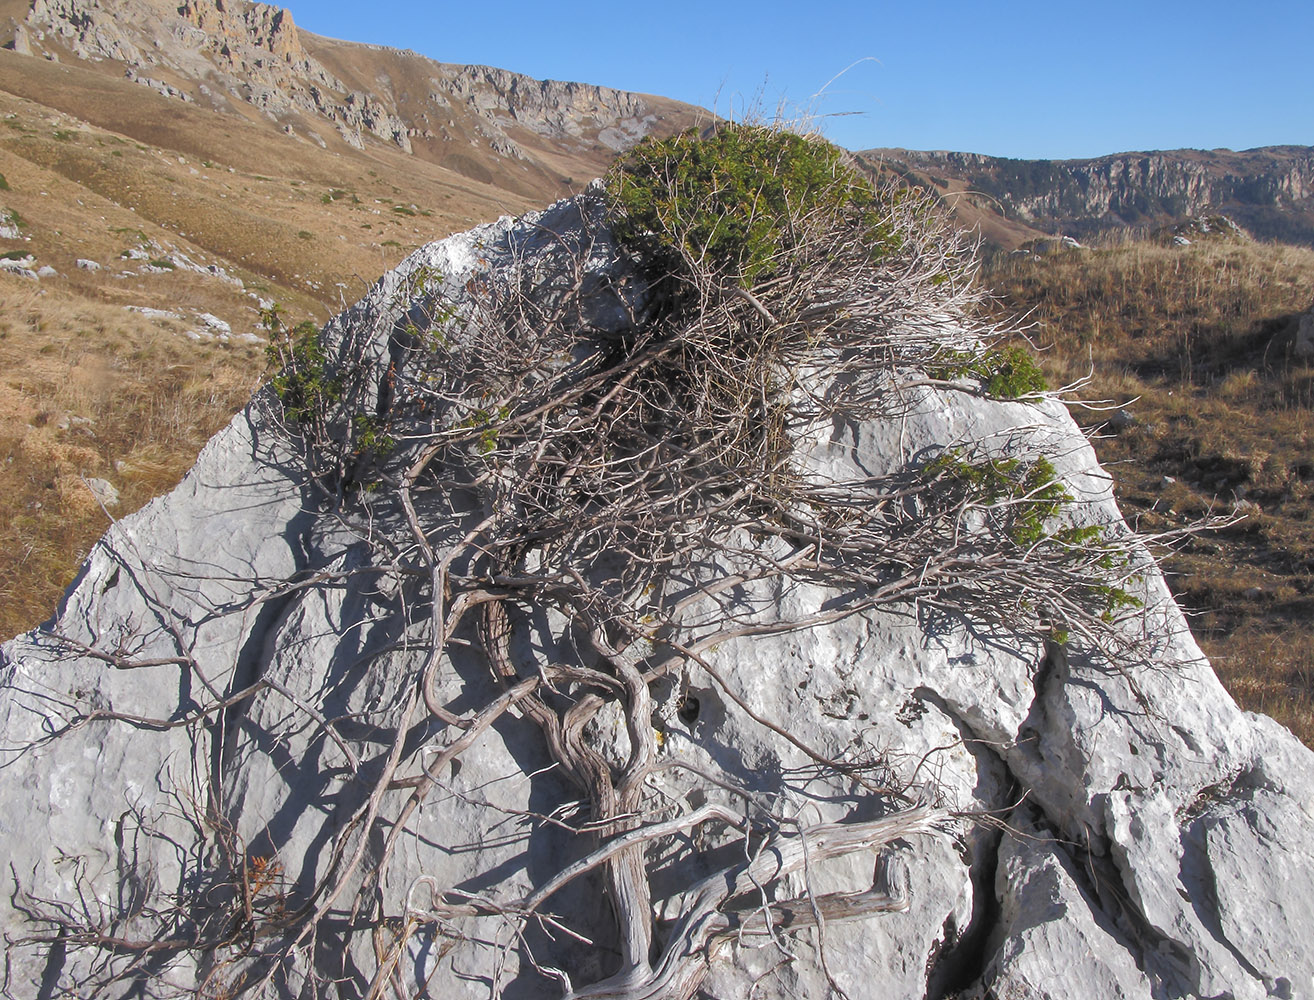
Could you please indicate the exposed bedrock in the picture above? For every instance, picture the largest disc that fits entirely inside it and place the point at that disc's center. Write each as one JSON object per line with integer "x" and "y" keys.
{"x": 192, "y": 747}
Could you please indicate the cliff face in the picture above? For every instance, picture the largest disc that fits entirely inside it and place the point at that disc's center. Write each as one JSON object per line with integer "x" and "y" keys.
{"x": 237, "y": 725}
{"x": 1269, "y": 191}
{"x": 241, "y": 41}
{"x": 230, "y": 53}
{"x": 550, "y": 107}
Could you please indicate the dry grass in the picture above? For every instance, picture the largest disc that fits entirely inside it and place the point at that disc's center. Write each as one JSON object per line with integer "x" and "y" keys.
{"x": 95, "y": 165}
{"x": 94, "y": 390}
{"x": 1201, "y": 338}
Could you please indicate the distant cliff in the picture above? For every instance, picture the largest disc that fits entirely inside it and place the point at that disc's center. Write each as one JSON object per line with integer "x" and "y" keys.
{"x": 1269, "y": 191}
{"x": 251, "y": 59}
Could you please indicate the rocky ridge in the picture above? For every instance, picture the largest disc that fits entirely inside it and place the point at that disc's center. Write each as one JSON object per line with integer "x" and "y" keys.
{"x": 227, "y": 54}
{"x": 1147, "y": 839}
{"x": 1268, "y": 191}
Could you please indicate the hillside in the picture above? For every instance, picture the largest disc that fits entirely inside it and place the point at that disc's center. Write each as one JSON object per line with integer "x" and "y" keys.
{"x": 1268, "y": 191}
{"x": 169, "y": 171}
{"x": 1211, "y": 409}
{"x": 249, "y": 60}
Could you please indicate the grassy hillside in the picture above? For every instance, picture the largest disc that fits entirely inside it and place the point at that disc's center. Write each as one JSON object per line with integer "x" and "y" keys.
{"x": 115, "y": 373}
{"x": 94, "y": 391}
{"x": 1195, "y": 344}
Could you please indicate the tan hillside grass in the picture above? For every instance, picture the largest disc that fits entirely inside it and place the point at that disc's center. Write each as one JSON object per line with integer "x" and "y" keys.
{"x": 94, "y": 390}
{"x": 1201, "y": 338}
{"x": 97, "y": 167}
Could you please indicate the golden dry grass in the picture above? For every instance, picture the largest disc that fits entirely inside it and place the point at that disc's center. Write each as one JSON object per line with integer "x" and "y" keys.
{"x": 94, "y": 390}
{"x": 1201, "y": 338}
{"x": 96, "y": 166}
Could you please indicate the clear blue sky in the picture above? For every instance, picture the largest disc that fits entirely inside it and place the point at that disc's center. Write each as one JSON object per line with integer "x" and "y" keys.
{"x": 1055, "y": 79}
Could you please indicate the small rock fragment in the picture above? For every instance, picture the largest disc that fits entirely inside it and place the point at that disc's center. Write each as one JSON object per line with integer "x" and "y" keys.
{"x": 103, "y": 490}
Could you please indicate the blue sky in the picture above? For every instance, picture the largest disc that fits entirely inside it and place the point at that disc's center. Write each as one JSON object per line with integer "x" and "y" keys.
{"x": 1054, "y": 80}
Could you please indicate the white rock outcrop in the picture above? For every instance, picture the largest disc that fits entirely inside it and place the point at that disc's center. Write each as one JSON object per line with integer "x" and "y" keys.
{"x": 182, "y": 743}
{"x": 22, "y": 267}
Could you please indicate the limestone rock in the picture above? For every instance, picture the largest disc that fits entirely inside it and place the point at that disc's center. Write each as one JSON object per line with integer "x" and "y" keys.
{"x": 21, "y": 266}
{"x": 1304, "y": 342}
{"x": 1052, "y": 933}
{"x": 1201, "y": 227}
{"x": 1163, "y": 850}
{"x": 104, "y": 491}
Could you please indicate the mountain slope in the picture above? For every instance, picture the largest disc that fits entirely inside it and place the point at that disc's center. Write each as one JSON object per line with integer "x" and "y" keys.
{"x": 251, "y": 60}
{"x": 1269, "y": 191}
{"x": 1196, "y": 348}
{"x": 167, "y": 173}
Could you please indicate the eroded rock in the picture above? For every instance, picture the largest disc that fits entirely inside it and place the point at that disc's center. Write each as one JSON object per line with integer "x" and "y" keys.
{"x": 1162, "y": 851}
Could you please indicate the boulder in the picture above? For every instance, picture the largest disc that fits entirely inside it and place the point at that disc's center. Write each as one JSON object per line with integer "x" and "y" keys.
{"x": 103, "y": 490}
{"x": 218, "y": 734}
{"x": 20, "y": 267}
{"x": 1051, "y": 933}
{"x": 1303, "y": 346}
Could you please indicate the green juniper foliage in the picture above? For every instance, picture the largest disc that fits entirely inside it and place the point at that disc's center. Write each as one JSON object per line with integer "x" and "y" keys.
{"x": 1022, "y": 501}
{"x": 1024, "y": 494}
{"x": 759, "y": 210}
{"x": 303, "y": 382}
{"x": 1004, "y": 372}
{"x": 732, "y": 200}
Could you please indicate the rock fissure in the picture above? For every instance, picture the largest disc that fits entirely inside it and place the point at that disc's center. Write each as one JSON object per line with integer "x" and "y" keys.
{"x": 961, "y": 965}
{"x": 1087, "y": 863}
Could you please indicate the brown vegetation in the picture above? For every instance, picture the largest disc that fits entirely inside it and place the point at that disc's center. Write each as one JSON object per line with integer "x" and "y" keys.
{"x": 94, "y": 391}
{"x": 97, "y": 169}
{"x": 1196, "y": 343}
